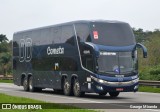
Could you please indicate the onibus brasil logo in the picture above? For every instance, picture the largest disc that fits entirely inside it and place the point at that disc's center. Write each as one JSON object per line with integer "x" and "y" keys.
{"x": 21, "y": 106}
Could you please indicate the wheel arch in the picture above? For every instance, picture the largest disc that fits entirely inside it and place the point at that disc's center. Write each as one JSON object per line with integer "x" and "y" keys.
{"x": 29, "y": 75}
{"x": 74, "y": 76}
{"x": 64, "y": 76}
{"x": 23, "y": 75}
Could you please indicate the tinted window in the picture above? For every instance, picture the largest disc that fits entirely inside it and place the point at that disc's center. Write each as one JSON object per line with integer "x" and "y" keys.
{"x": 15, "y": 48}
{"x": 88, "y": 62}
{"x": 14, "y": 64}
{"x": 55, "y": 64}
{"x": 15, "y": 51}
{"x": 67, "y": 35}
{"x": 45, "y": 64}
{"x": 56, "y": 35}
{"x": 112, "y": 34}
{"x": 68, "y": 64}
{"x": 116, "y": 62}
{"x": 45, "y": 36}
{"x": 82, "y": 31}
{"x": 36, "y": 37}
{"x": 15, "y": 44}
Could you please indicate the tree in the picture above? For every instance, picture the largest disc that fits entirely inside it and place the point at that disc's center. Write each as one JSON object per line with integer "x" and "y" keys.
{"x": 4, "y": 47}
{"x": 5, "y": 54}
{"x": 141, "y": 35}
{"x": 3, "y": 38}
{"x": 4, "y": 60}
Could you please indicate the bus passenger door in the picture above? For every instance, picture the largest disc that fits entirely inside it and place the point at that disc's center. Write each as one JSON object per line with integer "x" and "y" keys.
{"x": 89, "y": 63}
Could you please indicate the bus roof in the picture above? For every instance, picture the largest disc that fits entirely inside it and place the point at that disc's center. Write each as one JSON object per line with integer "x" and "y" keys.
{"x": 69, "y": 23}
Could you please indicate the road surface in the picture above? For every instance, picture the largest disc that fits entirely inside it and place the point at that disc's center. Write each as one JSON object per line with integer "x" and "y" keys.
{"x": 49, "y": 96}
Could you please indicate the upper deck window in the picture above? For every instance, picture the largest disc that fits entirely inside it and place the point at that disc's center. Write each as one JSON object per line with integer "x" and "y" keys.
{"x": 112, "y": 34}
{"x": 82, "y": 31}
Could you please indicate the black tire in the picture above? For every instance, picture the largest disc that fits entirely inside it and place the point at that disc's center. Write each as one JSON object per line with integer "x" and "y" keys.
{"x": 113, "y": 94}
{"x": 102, "y": 93}
{"x": 77, "y": 89}
{"x": 25, "y": 84}
{"x": 31, "y": 86}
{"x": 66, "y": 87}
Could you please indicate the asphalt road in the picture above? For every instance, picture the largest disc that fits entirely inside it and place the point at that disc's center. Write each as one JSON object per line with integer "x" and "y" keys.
{"x": 49, "y": 96}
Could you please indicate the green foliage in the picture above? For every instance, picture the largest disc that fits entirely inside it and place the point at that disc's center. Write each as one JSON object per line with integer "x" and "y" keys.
{"x": 4, "y": 61}
{"x": 141, "y": 35}
{"x": 5, "y": 58}
{"x": 150, "y": 67}
{"x": 5, "y": 55}
{"x": 4, "y": 47}
{"x": 6, "y": 81}
{"x": 150, "y": 73}
{"x": 3, "y": 38}
{"x": 59, "y": 108}
{"x": 149, "y": 89}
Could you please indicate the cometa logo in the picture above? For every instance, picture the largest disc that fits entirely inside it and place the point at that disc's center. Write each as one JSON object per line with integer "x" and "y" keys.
{"x": 51, "y": 51}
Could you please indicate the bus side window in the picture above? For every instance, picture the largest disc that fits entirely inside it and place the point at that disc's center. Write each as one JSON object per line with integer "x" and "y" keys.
{"x": 56, "y": 35}
{"x": 82, "y": 31}
{"x": 89, "y": 63}
{"x": 68, "y": 35}
{"x": 14, "y": 64}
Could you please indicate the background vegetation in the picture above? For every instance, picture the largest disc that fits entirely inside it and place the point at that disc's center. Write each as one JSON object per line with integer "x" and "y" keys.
{"x": 149, "y": 68}
{"x": 5, "y": 55}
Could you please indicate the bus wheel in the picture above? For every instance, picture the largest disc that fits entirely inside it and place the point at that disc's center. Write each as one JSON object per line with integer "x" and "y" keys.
{"x": 113, "y": 94}
{"x": 102, "y": 93}
{"x": 67, "y": 87}
{"x": 77, "y": 88}
{"x": 25, "y": 84}
{"x": 31, "y": 88}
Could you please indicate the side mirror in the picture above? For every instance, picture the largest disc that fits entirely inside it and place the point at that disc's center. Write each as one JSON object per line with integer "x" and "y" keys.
{"x": 143, "y": 48}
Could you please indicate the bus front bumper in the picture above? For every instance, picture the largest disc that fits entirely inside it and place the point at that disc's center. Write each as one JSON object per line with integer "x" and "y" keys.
{"x": 99, "y": 85}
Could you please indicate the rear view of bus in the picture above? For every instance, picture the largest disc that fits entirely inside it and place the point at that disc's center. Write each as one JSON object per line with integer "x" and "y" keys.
{"x": 109, "y": 56}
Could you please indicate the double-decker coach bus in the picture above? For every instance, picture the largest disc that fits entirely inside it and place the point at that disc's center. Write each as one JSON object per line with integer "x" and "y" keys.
{"x": 76, "y": 57}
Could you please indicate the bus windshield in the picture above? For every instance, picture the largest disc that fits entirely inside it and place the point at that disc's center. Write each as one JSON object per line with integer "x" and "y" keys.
{"x": 116, "y": 62}
{"x": 112, "y": 34}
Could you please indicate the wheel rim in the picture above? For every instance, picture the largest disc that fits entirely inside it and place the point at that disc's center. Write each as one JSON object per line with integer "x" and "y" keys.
{"x": 76, "y": 88}
{"x": 66, "y": 87}
{"x": 30, "y": 85}
{"x": 25, "y": 84}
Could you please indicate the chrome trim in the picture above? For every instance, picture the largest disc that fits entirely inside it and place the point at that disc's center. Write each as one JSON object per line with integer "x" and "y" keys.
{"x": 127, "y": 83}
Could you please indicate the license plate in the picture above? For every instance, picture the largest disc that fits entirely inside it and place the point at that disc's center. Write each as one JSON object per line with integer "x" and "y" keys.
{"x": 119, "y": 89}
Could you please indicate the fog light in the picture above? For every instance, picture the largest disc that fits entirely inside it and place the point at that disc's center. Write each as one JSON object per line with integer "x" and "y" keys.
{"x": 99, "y": 87}
{"x": 136, "y": 87}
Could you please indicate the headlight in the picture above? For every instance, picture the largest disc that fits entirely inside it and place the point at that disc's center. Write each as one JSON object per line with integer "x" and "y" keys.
{"x": 98, "y": 80}
{"x": 94, "y": 78}
{"x": 136, "y": 80}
